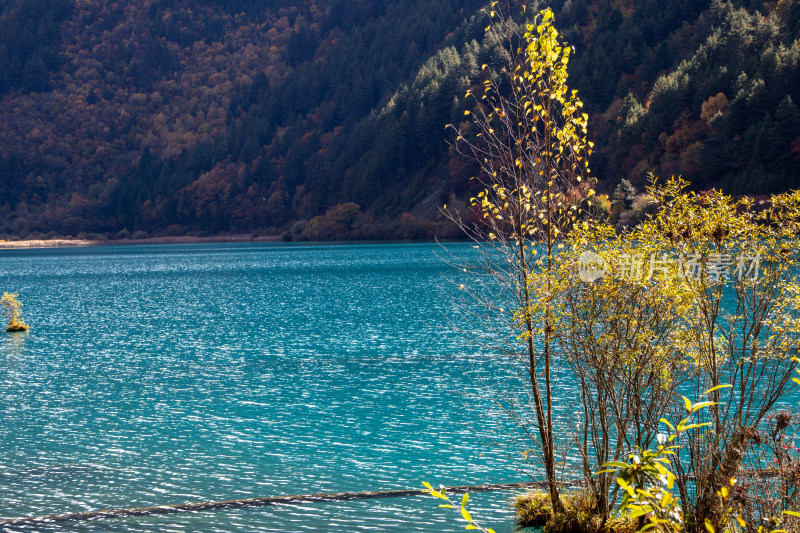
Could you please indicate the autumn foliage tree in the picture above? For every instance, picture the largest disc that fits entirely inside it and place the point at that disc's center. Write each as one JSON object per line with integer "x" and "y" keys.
{"x": 527, "y": 135}
{"x": 700, "y": 299}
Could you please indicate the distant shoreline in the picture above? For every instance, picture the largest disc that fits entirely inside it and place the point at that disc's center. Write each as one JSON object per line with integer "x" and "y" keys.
{"x": 63, "y": 243}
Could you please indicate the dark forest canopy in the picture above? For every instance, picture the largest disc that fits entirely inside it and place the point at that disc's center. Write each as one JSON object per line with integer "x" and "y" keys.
{"x": 325, "y": 119}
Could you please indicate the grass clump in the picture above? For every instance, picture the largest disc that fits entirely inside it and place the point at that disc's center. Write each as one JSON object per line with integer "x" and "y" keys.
{"x": 534, "y": 509}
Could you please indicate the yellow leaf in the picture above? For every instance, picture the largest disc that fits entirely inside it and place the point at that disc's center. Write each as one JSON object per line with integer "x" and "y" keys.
{"x": 712, "y": 389}
{"x": 701, "y": 405}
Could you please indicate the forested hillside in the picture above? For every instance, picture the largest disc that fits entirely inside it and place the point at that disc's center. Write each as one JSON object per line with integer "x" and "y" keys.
{"x": 325, "y": 119}
{"x": 725, "y": 117}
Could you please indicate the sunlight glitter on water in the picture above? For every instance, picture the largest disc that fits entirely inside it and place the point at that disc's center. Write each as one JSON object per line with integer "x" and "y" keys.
{"x": 168, "y": 374}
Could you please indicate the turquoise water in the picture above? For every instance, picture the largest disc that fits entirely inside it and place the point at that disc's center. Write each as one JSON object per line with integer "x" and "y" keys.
{"x": 168, "y": 374}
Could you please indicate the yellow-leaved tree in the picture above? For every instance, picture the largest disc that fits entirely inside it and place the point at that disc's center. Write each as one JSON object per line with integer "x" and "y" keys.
{"x": 526, "y": 135}
{"x": 702, "y": 298}
{"x": 700, "y": 295}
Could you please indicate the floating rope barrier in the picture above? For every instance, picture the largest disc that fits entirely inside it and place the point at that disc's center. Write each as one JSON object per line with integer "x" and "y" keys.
{"x": 254, "y": 502}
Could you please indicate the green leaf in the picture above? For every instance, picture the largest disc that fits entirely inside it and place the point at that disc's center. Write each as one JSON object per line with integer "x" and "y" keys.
{"x": 637, "y": 512}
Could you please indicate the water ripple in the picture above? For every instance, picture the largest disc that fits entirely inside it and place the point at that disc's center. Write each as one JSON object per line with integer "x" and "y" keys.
{"x": 169, "y": 374}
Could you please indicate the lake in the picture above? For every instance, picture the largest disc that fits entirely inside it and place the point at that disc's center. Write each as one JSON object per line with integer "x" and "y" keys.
{"x": 185, "y": 373}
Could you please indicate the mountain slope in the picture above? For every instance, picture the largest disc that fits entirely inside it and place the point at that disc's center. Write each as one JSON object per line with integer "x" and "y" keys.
{"x": 727, "y": 116}
{"x": 219, "y": 116}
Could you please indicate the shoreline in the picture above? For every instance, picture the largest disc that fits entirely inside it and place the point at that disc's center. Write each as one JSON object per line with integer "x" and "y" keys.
{"x": 186, "y": 239}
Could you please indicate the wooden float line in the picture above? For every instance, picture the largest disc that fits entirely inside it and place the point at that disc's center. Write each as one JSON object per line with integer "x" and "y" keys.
{"x": 255, "y": 502}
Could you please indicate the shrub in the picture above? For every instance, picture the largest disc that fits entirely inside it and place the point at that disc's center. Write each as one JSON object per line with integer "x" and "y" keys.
{"x": 770, "y": 480}
{"x": 12, "y": 306}
{"x": 336, "y": 225}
